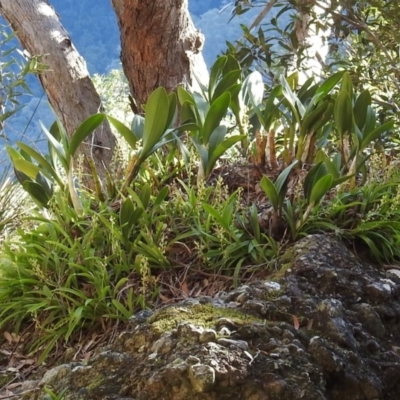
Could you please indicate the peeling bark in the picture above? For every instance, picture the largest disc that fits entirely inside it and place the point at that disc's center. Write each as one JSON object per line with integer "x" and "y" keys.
{"x": 66, "y": 82}
{"x": 160, "y": 46}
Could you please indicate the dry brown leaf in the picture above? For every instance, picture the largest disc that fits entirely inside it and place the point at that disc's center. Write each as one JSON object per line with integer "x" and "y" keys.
{"x": 7, "y": 335}
{"x": 296, "y": 322}
{"x": 163, "y": 298}
{"x": 185, "y": 288}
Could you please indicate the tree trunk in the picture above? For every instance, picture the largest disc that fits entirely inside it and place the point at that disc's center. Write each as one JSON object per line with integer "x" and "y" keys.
{"x": 160, "y": 46}
{"x": 66, "y": 82}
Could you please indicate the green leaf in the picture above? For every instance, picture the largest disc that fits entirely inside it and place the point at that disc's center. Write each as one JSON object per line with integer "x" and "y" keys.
{"x": 332, "y": 166}
{"x": 37, "y": 193}
{"x": 126, "y": 217}
{"x": 188, "y": 114}
{"x": 145, "y": 195}
{"x": 203, "y": 153}
{"x": 281, "y": 181}
{"x": 269, "y": 189}
{"x": 321, "y": 188}
{"x": 328, "y": 85}
{"x": 161, "y": 196}
{"x": 347, "y": 84}
{"x": 47, "y": 168}
{"x": 215, "y": 74}
{"x": 131, "y": 137}
{"x": 85, "y": 129}
{"x": 157, "y": 112}
{"x": 295, "y": 104}
{"x": 217, "y": 137}
{"x": 370, "y": 122}
{"x": 184, "y": 96}
{"x": 255, "y": 223}
{"x": 56, "y": 146}
{"x": 172, "y": 112}
{"x": 315, "y": 173}
{"x": 228, "y": 81}
{"x": 215, "y": 155}
{"x": 215, "y": 114}
{"x": 121, "y": 309}
{"x": 376, "y": 133}
{"x": 29, "y": 169}
{"x": 13, "y": 154}
{"x": 216, "y": 215}
{"x": 343, "y": 113}
{"x": 361, "y": 107}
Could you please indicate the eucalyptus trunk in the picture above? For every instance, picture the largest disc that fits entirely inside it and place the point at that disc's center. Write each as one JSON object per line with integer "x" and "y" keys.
{"x": 66, "y": 80}
{"x": 160, "y": 47}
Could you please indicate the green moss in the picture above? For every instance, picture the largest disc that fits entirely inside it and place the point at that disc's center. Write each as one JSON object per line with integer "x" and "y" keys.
{"x": 96, "y": 382}
{"x": 203, "y": 315}
{"x": 4, "y": 379}
{"x": 287, "y": 259}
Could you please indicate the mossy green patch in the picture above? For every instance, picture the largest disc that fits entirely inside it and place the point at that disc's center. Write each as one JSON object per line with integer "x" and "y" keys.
{"x": 203, "y": 315}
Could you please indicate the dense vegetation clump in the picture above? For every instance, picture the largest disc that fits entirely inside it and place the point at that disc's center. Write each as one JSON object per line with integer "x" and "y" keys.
{"x": 206, "y": 191}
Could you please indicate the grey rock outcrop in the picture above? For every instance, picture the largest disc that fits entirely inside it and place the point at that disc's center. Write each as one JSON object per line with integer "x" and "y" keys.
{"x": 328, "y": 329}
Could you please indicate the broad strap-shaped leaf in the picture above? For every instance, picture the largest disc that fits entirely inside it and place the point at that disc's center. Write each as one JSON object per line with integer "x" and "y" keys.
{"x": 361, "y": 107}
{"x": 220, "y": 150}
{"x": 347, "y": 84}
{"x": 328, "y": 85}
{"x": 56, "y": 146}
{"x": 333, "y": 165}
{"x": 85, "y": 129}
{"x": 316, "y": 172}
{"x": 145, "y": 194}
{"x": 217, "y": 137}
{"x": 172, "y": 112}
{"x": 312, "y": 117}
{"x": 295, "y": 104}
{"x": 161, "y": 196}
{"x": 370, "y": 122}
{"x": 343, "y": 113}
{"x": 156, "y": 118}
{"x": 189, "y": 115}
{"x": 126, "y": 214}
{"x": 215, "y": 115}
{"x": 281, "y": 181}
{"x": 270, "y": 190}
{"x": 46, "y": 168}
{"x": 184, "y": 96}
{"x": 321, "y": 188}
{"x": 307, "y": 90}
{"x": 224, "y": 85}
{"x": 203, "y": 153}
{"x": 37, "y": 193}
{"x": 130, "y": 136}
{"x": 215, "y": 74}
{"x": 376, "y": 133}
{"x": 28, "y": 168}
{"x": 201, "y": 108}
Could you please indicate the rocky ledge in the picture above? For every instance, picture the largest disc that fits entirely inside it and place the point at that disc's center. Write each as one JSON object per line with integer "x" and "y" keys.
{"x": 327, "y": 329}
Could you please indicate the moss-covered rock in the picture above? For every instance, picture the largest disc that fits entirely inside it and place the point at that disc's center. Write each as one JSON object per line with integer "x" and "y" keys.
{"x": 328, "y": 329}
